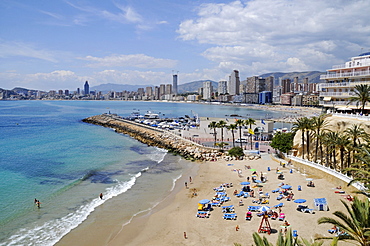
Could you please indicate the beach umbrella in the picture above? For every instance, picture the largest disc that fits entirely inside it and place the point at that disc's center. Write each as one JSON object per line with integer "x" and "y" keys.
{"x": 245, "y": 183}
{"x": 252, "y": 170}
{"x": 286, "y": 186}
{"x": 264, "y": 208}
{"x": 300, "y": 201}
{"x": 309, "y": 179}
{"x": 204, "y": 201}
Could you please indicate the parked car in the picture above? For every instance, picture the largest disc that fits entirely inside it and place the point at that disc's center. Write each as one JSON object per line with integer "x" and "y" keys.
{"x": 241, "y": 140}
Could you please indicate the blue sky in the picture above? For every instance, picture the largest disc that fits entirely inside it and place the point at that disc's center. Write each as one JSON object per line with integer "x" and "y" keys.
{"x": 52, "y": 45}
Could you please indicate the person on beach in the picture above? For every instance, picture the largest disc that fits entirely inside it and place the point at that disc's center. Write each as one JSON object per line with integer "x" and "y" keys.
{"x": 35, "y": 200}
{"x": 101, "y": 196}
{"x": 186, "y": 185}
{"x": 190, "y": 179}
{"x": 38, "y": 203}
{"x": 185, "y": 235}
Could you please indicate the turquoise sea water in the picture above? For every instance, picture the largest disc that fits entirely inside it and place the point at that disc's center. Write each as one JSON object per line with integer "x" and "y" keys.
{"x": 47, "y": 153}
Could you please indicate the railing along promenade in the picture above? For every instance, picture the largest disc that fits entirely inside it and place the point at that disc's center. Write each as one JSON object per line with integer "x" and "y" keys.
{"x": 353, "y": 116}
{"x": 327, "y": 170}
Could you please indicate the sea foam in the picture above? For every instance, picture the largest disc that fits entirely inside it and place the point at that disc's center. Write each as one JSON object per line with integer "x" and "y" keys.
{"x": 52, "y": 231}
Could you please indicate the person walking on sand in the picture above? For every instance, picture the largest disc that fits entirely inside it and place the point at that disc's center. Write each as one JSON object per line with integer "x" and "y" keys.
{"x": 101, "y": 196}
{"x": 186, "y": 185}
{"x": 190, "y": 179}
{"x": 185, "y": 235}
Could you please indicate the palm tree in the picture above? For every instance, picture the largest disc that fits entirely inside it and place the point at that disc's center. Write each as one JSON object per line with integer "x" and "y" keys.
{"x": 240, "y": 123}
{"x": 287, "y": 240}
{"x": 355, "y": 225}
{"x": 319, "y": 124}
{"x": 250, "y": 122}
{"x": 213, "y": 125}
{"x": 330, "y": 140}
{"x": 300, "y": 125}
{"x": 362, "y": 95}
{"x": 309, "y": 127}
{"x": 361, "y": 171}
{"x": 232, "y": 127}
{"x": 355, "y": 133}
{"x": 342, "y": 143}
{"x": 221, "y": 124}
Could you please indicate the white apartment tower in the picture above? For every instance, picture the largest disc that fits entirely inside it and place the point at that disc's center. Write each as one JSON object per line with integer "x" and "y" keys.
{"x": 207, "y": 90}
{"x": 234, "y": 83}
{"x": 222, "y": 87}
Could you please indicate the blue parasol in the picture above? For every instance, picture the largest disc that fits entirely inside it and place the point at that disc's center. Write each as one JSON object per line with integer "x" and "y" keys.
{"x": 245, "y": 183}
{"x": 286, "y": 186}
{"x": 204, "y": 201}
{"x": 300, "y": 201}
{"x": 264, "y": 208}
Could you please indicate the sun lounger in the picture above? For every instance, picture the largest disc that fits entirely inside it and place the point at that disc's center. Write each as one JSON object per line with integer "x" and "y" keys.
{"x": 228, "y": 209}
{"x": 281, "y": 216}
{"x": 279, "y": 205}
{"x": 276, "y": 190}
{"x": 241, "y": 193}
{"x": 279, "y": 197}
{"x": 203, "y": 214}
{"x": 301, "y": 207}
{"x": 308, "y": 210}
{"x": 230, "y": 216}
{"x": 295, "y": 233}
{"x": 216, "y": 204}
{"x": 254, "y": 208}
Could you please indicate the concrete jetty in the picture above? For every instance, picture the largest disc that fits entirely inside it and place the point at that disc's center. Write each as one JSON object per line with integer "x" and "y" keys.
{"x": 157, "y": 137}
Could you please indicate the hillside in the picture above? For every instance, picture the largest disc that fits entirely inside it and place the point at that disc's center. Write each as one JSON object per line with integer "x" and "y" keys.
{"x": 313, "y": 76}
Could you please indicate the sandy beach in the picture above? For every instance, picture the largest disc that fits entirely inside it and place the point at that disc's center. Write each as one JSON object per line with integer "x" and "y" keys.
{"x": 166, "y": 224}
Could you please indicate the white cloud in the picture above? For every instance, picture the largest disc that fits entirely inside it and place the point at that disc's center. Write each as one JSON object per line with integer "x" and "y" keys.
{"x": 279, "y": 35}
{"x": 10, "y": 49}
{"x": 136, "y": 60}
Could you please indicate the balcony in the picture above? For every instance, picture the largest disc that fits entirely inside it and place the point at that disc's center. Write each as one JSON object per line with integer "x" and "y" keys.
{"x": 346, "y": 75}
{"x": 343, "y": 84}
{"x": 337, "y": 94}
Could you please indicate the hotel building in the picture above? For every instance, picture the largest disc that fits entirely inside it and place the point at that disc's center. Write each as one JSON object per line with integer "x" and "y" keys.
{"x": 340, "y": 81}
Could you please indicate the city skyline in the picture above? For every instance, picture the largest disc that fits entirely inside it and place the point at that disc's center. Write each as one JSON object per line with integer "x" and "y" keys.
{"x": 62, "y": 44}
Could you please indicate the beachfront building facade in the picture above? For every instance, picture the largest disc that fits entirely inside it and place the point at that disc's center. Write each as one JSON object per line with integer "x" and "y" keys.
{"x": 339, "y": 82}
{"x": 234, "y": 83}
{"x": 207, "y": 90}
{"x": 222, "y": 87}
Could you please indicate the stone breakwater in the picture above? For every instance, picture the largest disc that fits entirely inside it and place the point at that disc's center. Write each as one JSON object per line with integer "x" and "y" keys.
{"x": 157, "y": 137}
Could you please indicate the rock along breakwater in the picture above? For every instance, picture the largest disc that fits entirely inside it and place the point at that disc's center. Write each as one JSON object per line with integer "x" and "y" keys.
{"x": 156, "y": 137}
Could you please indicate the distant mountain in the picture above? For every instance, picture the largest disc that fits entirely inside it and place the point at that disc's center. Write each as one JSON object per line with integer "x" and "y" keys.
{"x": 194, "y": 86}
{"x": 105, "y": 88}
{"x": 313, "y": 76}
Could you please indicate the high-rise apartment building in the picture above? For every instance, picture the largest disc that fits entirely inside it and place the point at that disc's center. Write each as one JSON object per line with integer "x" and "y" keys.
{"x": 162, "y": 89}
{"x": 269, "y": 83}
{"x": 86, "y": 88}
{"x": 285, "y": 83}
{"x": 222, "y": 87}
{"x": 207, "y": 90}
{"x": 234, "y": 83}
{"x": 149, "y": 91}
{"x": 168, "y": 90}
{"x": 156, "y": 93}
{"x": 174, "y": 84}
